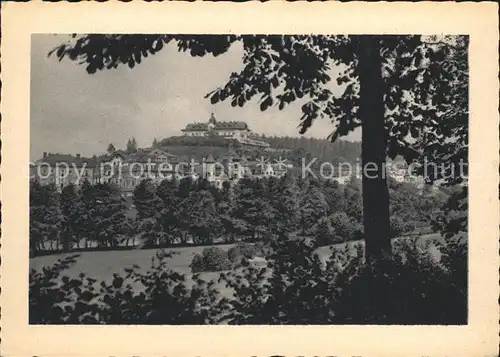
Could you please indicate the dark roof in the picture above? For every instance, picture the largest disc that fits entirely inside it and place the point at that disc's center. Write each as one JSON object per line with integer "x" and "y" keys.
{"x": 141, "y": 155}
{"x": 53, "y": 159}
{"x": 220, "y": 125}
{"x": 118, "y": 152}
{"x": 107, "y": 157}
{"x": 137, "y": 157}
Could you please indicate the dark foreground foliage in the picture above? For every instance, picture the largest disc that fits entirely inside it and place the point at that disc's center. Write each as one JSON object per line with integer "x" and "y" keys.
{"x": 293, "y": 286}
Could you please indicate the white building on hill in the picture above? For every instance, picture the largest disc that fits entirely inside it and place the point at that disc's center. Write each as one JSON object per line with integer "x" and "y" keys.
{"x": 236, "y": 130}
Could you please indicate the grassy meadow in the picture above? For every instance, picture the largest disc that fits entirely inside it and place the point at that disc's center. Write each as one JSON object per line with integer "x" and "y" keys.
{"x": 101, "y": 265}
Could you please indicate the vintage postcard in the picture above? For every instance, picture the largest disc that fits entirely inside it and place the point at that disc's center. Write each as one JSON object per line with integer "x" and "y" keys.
{"x": 258, "y": 179}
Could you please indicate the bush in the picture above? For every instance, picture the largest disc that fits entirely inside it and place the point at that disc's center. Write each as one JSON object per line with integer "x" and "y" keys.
{"x": 234, "y": 254}
{"x": 399, "y": 226}
{"x": 244, "y": 250}
{"x": 337, "y": 228}
{"x": 211, "y": 259}
{"x": 197, "y": 264}
{"x": 324, "y": 232}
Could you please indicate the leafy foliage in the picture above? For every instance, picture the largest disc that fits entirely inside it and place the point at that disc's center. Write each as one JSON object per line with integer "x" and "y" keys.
{"x": 414, "y": 88}
{"x": 149, "y": 207}
{"x": 425, "y": 79}
{"x": 57, "y": 299}
{"x": 453, "y": 218}
{"x": 211, "y": 259}
{"x": 44, "y": 216}
{"x": 162, "y": 297}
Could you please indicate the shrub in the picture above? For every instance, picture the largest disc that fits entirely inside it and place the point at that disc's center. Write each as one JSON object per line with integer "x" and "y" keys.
{"x": 398, "y": 226}
{"x": 324, "y": 232}
{"x": 345, "y": 227}
{"x": 245, "y": 262}
{"x": 197, "y": 264}
{"x": 234, "y": 254}
{"x": 211, "y": 259}
{"x": 337, "y": 228}
{"x": 245, "y": 250}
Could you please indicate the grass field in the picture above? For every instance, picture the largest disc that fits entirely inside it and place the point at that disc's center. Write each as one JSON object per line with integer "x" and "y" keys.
{"x": 103, "y": 264}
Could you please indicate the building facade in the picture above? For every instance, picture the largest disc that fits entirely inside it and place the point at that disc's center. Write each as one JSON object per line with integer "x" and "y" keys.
{"x": 236, "y": 130}
{"x": 64, "y": 169}
{"x": 127, "y": 170}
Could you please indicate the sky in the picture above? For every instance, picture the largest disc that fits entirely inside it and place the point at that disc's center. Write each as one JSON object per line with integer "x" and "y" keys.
{"x": 74, "y": 112}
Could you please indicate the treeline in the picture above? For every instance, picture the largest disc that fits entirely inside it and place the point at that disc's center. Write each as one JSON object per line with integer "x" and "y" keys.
{"x": 194, "y": 212}
{"x": 215, "y": 141}
{"x": 323, "y": 150}
{"x": 293, "y": 148}
{"x": 252, "y": 209}
{"x": 92, "y": 216}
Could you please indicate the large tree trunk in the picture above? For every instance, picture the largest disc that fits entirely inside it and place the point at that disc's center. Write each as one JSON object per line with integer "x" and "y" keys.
{"x": 373, "y": 150}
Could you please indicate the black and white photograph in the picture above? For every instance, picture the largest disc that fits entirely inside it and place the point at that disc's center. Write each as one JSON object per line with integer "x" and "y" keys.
{"x": 248, "y": 179}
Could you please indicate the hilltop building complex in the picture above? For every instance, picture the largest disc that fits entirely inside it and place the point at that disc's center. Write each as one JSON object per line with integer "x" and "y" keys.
{"x": 236, "y": 130}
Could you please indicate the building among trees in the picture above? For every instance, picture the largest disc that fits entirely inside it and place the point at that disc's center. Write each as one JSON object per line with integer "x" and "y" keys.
{"x": 127, "y": 170}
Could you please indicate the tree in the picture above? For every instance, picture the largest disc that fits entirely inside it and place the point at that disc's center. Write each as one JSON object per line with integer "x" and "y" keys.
{"x": 155, "y": 143}
{"x": 334, "y": 197}
{"x": 168, "y": 216}
{"x": 324, "y": 232}
{"x": 396, "y": 87}
{"x": 286, "y": 205}
{"x": 45, "y": 218}
{"x": 108, "y": 215}
{"x": 103, "y": 220}
{"x": 72, "y": 212}
{"x": 88, "y": 199}
{"x": 251, "y": 210}
{"x": 149, "y": 208}
{"x": 111, "y": 149}
{"x": 313, "y": 207}
{"x": 345, "y": 228}
{"x": 131, "y": 146}
{"x": 453, "y": 219}
{"x": 229, "y": 225}
{"x": 199, "y": 214}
